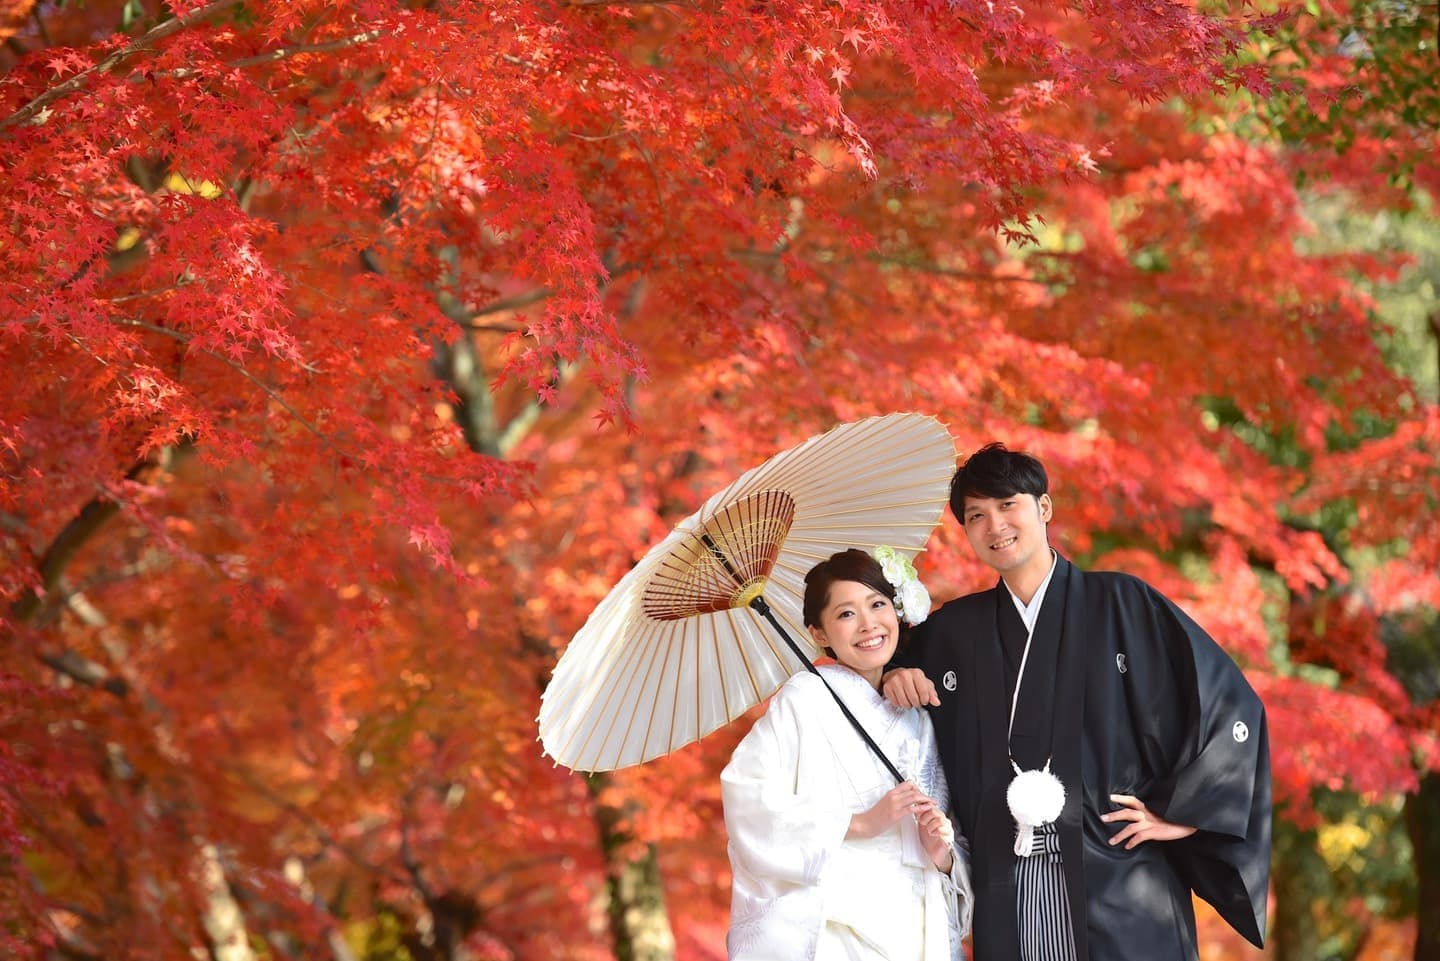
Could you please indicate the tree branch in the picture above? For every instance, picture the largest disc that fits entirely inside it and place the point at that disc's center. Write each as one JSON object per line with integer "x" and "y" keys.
{"x": 80, "y": 529}
{"x": 281, "y": 53}
{"x": 186, "y": 339}
{"x": 159, "y": 32}
{"x": 504, "y": 304}
{"x": 84, "y": 671}
{"x": 518, "y": 301}
{"x": 933, "y": 268}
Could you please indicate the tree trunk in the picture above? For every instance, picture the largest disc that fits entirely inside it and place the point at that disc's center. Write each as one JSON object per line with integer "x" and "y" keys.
{"x": 224, "y": 924}
{"x": 639, "y": 922}
{"x": 1422, "y": 822}
{"x": 1298, "y": 875}
{"x": 1435, "y": 330}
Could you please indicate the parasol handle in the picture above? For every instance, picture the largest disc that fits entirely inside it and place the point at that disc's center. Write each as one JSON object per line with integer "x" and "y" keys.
{"x": 762, "y": 607}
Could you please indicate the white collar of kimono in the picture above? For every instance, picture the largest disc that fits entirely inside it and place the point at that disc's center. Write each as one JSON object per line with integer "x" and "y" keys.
{"x": 856, "y": 687}
{"x": 1029, "y": 613}
{"x": 867, "y": 704}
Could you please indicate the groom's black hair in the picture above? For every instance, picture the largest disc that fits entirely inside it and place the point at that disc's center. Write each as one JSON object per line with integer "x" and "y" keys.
{"x": 996, "y": 471}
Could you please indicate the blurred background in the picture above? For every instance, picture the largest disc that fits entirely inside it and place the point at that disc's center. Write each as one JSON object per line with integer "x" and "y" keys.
{"x": 356, "y": 348}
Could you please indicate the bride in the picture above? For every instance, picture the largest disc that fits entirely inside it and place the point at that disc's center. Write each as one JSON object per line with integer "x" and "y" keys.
{"x": 832, "y": 860}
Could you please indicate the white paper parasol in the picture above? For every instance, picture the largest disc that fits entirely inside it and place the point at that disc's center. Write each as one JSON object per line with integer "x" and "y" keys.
{"x": 689, "y": 638}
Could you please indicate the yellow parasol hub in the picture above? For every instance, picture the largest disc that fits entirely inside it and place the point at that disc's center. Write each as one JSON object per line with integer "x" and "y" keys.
{"x": 752, "y": 589}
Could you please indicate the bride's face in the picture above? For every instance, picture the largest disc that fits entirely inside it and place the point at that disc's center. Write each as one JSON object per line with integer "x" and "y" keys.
{"x": 859, "y": 624}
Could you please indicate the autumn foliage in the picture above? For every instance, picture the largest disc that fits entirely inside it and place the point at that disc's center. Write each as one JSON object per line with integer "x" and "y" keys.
{"x": 357, "y": 348}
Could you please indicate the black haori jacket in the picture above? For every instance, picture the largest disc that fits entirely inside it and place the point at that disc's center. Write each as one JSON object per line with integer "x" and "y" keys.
{"x": 1129, "y": 696}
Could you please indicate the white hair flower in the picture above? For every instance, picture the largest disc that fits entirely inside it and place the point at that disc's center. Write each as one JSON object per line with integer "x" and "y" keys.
{"x": 912, "y": 601}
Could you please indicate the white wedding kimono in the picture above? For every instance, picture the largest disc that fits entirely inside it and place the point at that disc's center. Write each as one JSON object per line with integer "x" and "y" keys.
{"x": 800, "y": 889}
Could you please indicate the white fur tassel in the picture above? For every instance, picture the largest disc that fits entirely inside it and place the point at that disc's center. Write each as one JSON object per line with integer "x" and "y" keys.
{"x": 1035, "y": 798}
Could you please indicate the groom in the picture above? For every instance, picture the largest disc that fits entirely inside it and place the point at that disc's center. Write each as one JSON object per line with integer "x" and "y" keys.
{"x": 1154, "y": 734}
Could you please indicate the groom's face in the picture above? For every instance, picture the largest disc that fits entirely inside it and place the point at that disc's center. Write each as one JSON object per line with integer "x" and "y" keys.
{"x": 1007, "y": 533}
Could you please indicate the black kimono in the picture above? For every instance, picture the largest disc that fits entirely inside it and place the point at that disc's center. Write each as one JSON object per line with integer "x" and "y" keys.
{"x": 1129, "y": 696}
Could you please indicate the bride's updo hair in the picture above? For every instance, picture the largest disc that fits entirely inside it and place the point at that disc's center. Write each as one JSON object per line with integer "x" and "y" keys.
{"x": 849, "y": 565}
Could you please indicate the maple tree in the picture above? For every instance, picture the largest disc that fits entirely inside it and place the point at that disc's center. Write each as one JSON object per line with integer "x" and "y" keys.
{"x": 360, "y": 347}
{"x": 1354, "y": 108}
{"x": 1358, "y": 90}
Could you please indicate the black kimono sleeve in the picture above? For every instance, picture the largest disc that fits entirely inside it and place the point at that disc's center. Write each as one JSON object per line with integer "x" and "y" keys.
{"x": 1221, "y": 785}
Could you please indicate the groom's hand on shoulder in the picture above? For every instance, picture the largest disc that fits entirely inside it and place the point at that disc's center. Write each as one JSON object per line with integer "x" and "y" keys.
{"x": 909, "y": 687}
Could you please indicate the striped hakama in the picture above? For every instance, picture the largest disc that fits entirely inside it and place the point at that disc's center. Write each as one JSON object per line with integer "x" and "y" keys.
{"x": 1042, "y": 910}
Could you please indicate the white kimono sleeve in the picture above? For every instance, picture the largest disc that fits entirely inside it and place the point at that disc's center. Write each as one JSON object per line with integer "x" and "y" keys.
{"x": 961, "y": 900}
{"x": 784, "y": 825}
